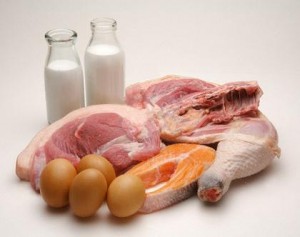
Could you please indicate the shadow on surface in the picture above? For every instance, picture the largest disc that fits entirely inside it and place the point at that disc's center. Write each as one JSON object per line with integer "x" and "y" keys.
{"x": 244, "y": 183}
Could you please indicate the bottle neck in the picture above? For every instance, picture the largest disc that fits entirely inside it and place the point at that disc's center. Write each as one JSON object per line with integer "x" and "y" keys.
{"x": 107, "y": 37}
{"x": 104, "y": 31}
{"x": 61, "y": 44}
{"x": 61, "y": 37}
{"x": 58, "y": 50}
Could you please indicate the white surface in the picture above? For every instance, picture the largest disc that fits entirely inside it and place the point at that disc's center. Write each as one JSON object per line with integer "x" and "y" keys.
{"x": 219, "y": 41}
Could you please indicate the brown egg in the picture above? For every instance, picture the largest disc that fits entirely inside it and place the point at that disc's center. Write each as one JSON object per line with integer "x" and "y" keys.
{"x": 87, "y": 192}
{"x": 100, "y": 163}
{"x": 126, "y": 195}
{"x": 55, "y": 182}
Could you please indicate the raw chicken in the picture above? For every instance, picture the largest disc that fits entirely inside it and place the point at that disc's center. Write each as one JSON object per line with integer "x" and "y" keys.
{"x": 178, "y": 109}
{"x": 122, "y": 134}
{"x": 227, "y": 115}
{"x": 246, "y": 146}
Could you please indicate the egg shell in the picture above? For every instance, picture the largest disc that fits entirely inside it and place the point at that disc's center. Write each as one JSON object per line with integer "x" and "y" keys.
{"x": 126, "y": 195}
{"x": 55, "y": 182}
{"x": 87, "y": 192}
{"x": 100, "y": 163}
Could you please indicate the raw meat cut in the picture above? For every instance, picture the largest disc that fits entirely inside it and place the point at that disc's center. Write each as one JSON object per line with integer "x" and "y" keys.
{"x": 174, "y": 109}
{"x": 122, "y": 134}
{"x": 246, "y": 146}
{"x": 163, "y": 91}
{"x": 218, "y": 105}
{"x": 226, "y": 114}
{"x": 193, "y": 110}
{"x": 171, "y": 176}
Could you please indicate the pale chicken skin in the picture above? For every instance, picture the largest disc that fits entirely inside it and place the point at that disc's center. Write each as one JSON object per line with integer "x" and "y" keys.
{"x": 248, "y": 147}
{"x": 227, "y": 115}
{"x": 172, "y": 109}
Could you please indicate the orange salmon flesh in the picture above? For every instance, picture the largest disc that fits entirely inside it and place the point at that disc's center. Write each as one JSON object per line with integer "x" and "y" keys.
{"x": 171, "y": 176}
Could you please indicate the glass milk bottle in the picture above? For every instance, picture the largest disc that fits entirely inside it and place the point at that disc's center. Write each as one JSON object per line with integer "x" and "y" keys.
{"x": 64, "y": 85}
{"x": 104, "y": 64}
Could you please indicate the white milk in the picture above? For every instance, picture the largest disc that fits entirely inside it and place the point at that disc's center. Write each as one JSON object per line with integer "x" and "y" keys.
{"x": 104, "y": 74}
{"x": 64, "y": 88}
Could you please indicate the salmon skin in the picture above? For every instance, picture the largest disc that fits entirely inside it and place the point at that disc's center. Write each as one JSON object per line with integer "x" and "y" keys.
{"x": 171, "y": 176}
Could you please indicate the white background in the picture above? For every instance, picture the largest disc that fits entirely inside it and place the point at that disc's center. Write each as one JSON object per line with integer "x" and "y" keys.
{"x": 217, "y": 40}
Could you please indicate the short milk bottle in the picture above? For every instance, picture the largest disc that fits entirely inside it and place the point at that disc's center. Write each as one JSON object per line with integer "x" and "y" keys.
{"x": 104, "y": 64}
{"x": 64, "y": 85}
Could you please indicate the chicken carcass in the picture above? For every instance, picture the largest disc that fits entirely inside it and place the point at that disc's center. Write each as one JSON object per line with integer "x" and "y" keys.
{"x": 122, "y": 134}
{"x": 246, "y": 146}
{"x": 225, "y": 114}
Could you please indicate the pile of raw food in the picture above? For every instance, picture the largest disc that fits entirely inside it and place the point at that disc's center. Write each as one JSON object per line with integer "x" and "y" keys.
{"x": 163, "y": 137}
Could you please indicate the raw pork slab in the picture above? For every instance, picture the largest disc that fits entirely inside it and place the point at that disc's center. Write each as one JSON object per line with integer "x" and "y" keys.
{"x": 122, "y": 134}
{"x": 184, "y": 105}
{"x": 164, "y": 91}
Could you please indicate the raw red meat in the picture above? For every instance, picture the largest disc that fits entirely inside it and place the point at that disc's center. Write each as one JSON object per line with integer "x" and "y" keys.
{"x": 226, "y": 114}
{"x": 163, "y": 91}
{"x": 122, "y": 134}
{"x": 193, "y": 112}
{"x": 218, "y": 105}
{"x": 174, "y": 109}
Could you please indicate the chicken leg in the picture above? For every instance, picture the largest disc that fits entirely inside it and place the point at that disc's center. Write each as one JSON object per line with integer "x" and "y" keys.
{"x": 248, "y": 148}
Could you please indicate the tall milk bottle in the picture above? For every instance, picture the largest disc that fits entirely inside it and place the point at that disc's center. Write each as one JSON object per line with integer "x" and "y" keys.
{"x": 64, "y": 85}
{"x": 104, "y": 64}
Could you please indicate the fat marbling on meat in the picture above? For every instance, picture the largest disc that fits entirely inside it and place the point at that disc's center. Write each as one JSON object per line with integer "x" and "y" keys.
{"x": 122, "y": 134}
{"x": 225, "y": 114}
{"x": 174, "y": 109}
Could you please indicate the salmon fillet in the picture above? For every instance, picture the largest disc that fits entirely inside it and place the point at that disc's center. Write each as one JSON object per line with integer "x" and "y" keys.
{"x": 171, "y": 176}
